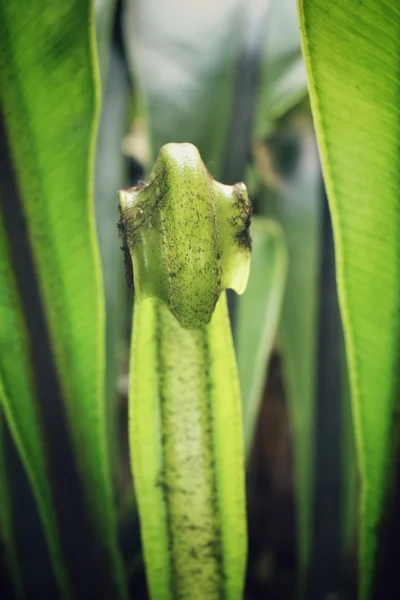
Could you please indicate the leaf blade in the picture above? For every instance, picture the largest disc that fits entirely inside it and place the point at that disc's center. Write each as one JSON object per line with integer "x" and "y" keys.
{"x": 49, "y": 99}
{"x": 9, "y": 554}
{"x": 185, "y": 63}
{"x": 354, "y": 89}
{"x": 258, "y": 311}
{"x": 294, "y": 201}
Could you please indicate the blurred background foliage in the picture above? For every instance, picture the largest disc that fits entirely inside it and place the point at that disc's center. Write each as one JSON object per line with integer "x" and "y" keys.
{"x": 227, "y": 76}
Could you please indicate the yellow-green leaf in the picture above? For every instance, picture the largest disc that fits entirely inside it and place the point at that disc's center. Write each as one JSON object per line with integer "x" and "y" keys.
{"x": 352, "y": 53}
{"x": 257, "y": 318}
{"x": 51, "y": 305}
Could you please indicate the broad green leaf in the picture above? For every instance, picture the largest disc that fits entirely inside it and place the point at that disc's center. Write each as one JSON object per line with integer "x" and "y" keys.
{"x": 293, "y": 199}
{"x": 257, "y": 317}
{"x": 52, "y": 306}
{"x": 352, "y": 54}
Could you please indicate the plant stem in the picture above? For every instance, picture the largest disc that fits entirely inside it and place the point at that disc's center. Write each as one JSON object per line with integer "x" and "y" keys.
{"x": 188, "y": 239}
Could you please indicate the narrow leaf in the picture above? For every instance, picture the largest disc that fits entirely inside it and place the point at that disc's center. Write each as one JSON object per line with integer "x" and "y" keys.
{"x": 110, "y": 173}
{"x": 187, "y": 59}
{"x": 282, "y": 81}
{"x": 52, "y": 314}
{"x": 257, "y": 317}
{"x": 184, "y": 58}
{"x": 104, "y": 18}
{"x": 352, "y": 53}
{"x": 293, "y": 199}
{"x": 34, "y": 572}
{"x": 8, "y": 543}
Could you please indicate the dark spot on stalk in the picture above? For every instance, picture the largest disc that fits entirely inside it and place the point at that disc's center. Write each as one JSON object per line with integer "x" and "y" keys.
{"x": 242, "y": 220}
{"x": 125, "y": 248}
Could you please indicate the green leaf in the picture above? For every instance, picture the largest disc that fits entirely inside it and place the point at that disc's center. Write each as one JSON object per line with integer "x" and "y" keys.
{"x": 352, "y": 53}
{"x": 17, "y": 397}
{"x": 52, "y": 306}
{"x": 27, "y": 569}
{"x": 293, "y": 199}
{"x": 8, "y": 544}
{"x": 184, "y": 59}
{"x": 282, "y": 81}
{"x": 110, "y": 173}
{"x": 104, "y": 17}
{"x": 188, "y": 239}
{"x": 349, "y": 477}
{"x": 187, "y": 59}
{"x": 257, "y": 317}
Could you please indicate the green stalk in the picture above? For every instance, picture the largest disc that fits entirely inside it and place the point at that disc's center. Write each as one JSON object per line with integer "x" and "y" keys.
{"x": 188, "y": 239}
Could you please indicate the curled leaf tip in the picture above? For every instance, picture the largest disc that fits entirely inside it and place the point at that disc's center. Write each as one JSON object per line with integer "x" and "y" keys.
{"x": 187, "y": 235}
